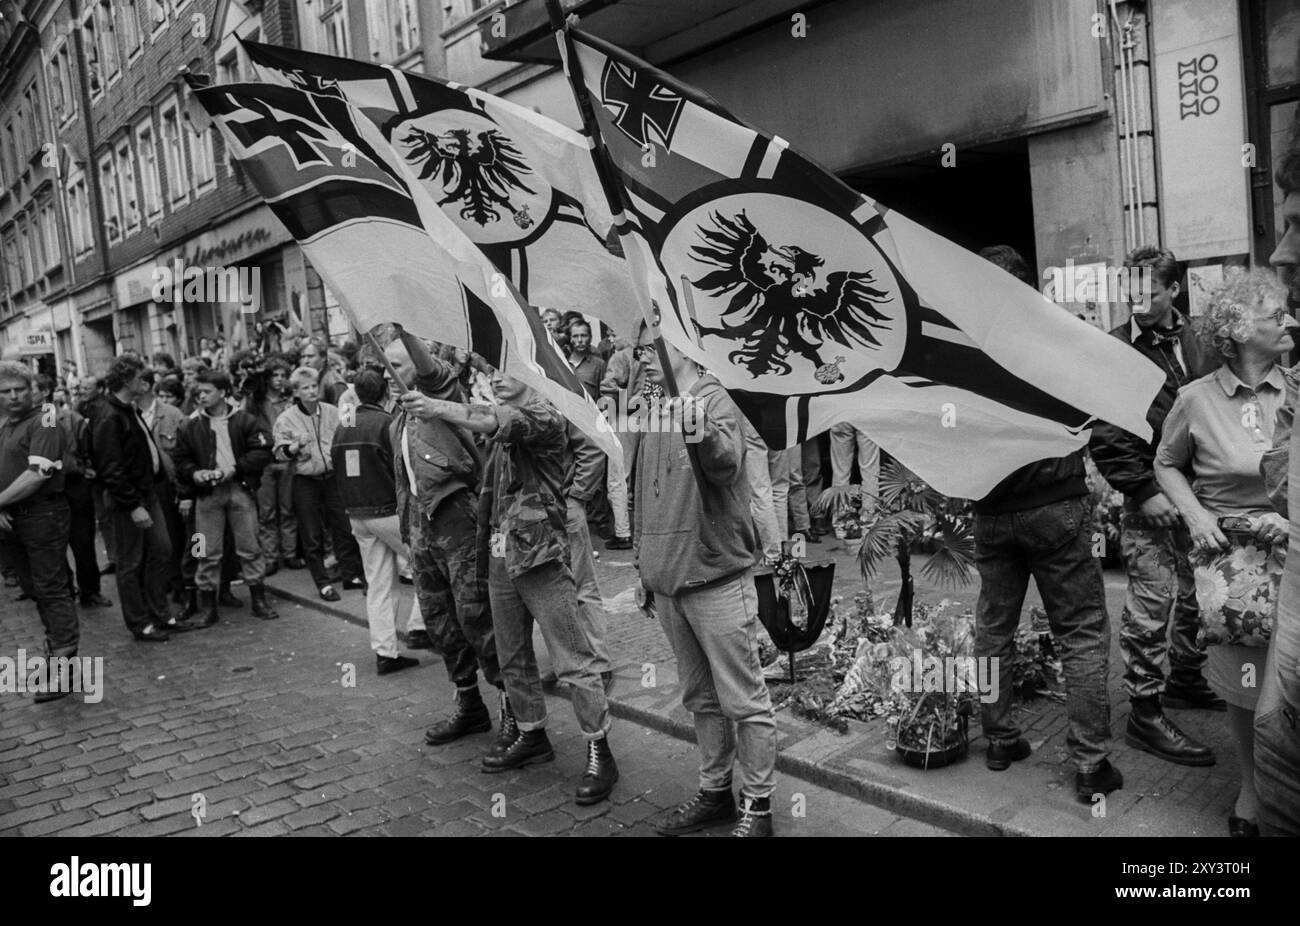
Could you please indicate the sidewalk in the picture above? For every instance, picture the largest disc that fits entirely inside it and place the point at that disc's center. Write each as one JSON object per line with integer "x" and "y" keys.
{"x": 1033, "y": 798}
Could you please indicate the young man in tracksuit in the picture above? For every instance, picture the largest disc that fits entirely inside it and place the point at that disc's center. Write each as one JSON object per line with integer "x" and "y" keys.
{"x": 695, "y": 549}
{"x": 220, "y": 454}
{"x": 363, "y": 464}
{"x": 1154, "y": 541}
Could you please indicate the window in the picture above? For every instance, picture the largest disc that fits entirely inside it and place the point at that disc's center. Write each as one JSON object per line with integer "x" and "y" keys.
{"x": 406, "y": 26}
{"x": 50, "y": 231}
{"x": 94, "y": 66}
{"x": 62, "y": 96}
{"x": 110, "y": 53}
{"x": 228, "y": 69}
{"x": 27, "y": 274}
{"x": 112, "y": 199}
{"x": 38, "y": 246}
{"x": 21, "y": 139}
{"x": 35, "y": 122}
{"x": 394, "y": 28}
{"x": 157, "y": 15}
{"x": 173, "y": 144}
{"x": 79, "y": 229}
{"x": 129, "y": 26}
{"x": 150, "y": 186}
{"x": 126, "y": 182}
{"x": 202, "y": 161}
{"x": 336, "y": 30}
{"x": 13, "y": 263}
{"x": 12, "y": 154}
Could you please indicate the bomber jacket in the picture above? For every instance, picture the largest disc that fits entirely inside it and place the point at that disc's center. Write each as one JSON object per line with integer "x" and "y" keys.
{"x": 1126, "y": 460}
{"x": 123, "y": 462}
{"x": 683, "y": 540}
{"x": 363, "y": 464}
{"x": 314, "y": 435}
{"x": 196, "y": 449}
{"x": 1036, "y": 484}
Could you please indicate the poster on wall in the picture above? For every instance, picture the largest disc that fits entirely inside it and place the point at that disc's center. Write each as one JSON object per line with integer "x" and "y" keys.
{"x": 1201, "y": 281}
{"x": 1200, "y": 118}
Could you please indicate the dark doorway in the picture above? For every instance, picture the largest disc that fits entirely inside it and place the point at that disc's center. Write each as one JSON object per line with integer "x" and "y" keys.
{"x": 983, "y": 199}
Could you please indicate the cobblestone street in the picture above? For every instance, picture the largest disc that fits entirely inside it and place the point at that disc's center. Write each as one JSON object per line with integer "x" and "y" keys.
{"x": 249, "y": 728}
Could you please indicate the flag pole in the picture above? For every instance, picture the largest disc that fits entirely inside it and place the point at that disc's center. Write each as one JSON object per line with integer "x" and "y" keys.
{"x": 618, "y": 208}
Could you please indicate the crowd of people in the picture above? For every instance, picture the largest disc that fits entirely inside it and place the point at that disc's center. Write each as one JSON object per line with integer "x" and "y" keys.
{"x": 363, "y": 465}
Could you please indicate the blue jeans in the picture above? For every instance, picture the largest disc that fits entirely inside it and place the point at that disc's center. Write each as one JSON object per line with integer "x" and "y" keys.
{"x": 714, "y": 635}
{"x": 591, "y": 606}
{"x": 1052, "y": 543}
{"x": 1277, "y": 759}
{"x": 38, "y": 550}
{"x": 228, "y": 504}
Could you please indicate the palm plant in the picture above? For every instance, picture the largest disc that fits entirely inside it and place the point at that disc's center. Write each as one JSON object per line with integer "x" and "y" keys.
{"x": 906, "y": 511}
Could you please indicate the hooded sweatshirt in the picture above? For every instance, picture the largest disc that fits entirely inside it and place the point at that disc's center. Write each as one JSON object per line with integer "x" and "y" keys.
{"x": 682, "y": 540}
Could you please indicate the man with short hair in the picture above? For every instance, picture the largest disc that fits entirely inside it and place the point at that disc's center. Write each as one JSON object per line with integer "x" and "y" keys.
{"x": 220, "y": 455}
{"x": 1160, "y": 615}
{"x": 531, "y": 578}
{"x": 363, "y": 462}
{"x": 129, "y": 463}
{"x": 695, "y": 550}
{"x": 34, "y": 518}
{"x": 436, "y": 471}
{"x": 278, "y": 528}
{"x": 588, "y": 367}
{"x": 92, "y": 403}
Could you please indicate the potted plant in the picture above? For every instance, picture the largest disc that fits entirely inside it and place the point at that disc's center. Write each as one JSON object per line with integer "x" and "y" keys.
{"x": 905, "y": 513}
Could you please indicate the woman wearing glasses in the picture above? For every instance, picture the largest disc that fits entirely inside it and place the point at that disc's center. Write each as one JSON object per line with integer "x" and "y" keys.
{"x": 1220, "y": 427}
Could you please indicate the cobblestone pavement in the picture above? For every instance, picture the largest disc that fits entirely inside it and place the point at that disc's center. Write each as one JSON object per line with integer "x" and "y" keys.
{"x": 250, "y": 728}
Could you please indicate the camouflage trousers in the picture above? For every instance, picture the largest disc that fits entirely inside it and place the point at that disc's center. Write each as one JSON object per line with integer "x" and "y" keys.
{"x": 453, "y": 590}
{"x": 1160, "y": 614}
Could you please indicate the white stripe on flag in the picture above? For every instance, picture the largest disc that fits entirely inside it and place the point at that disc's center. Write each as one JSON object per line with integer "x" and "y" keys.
{"x": 771, "y": 157}
{"x": 943, "y": 333}
{"x": 408, "y": 98}
{"x": 718, "y": 144}
{"x": 643, "y": 207}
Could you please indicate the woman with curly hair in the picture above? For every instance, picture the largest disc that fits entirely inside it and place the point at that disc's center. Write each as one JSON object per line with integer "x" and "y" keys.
{"x": 1219, "y": 428}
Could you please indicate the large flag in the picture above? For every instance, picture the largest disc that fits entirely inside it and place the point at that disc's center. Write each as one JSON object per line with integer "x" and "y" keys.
{"x": 519, "y": 185}
{"x": 382, "y": 246}
{"x": 813, "y": 305}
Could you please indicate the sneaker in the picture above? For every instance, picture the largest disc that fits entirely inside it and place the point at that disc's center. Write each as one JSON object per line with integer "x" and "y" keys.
{"x": 329, "y": 593}
{"x": 755, "y": 817}
{"x": 706, "y": 808}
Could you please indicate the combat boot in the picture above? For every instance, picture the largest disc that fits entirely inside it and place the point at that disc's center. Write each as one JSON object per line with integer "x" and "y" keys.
{"x": 529, "y": 747}
{"x": 207, "y": 614}
{"x": 706, "y": 808}
{"x": 755, "y": 817}
{"x": 509, "y": 728}
{"x": 226, "y": 598}
{"x": 1151, "y": 731}
{"x": 191, "y": 604}
{"x": 600, "y": 775}
{"x": 1191, "y": 693}
{"x": 261, "y": 608}
{"x": 471, "y": 717}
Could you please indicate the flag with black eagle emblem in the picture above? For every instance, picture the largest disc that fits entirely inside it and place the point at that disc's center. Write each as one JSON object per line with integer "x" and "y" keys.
{"x": 519, "y": 185}
{"x": 813, "y": 304}
{"x": 385, "y": 250}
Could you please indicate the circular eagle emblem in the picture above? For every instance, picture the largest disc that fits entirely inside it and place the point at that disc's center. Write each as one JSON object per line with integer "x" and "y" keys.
{"x": 477, "y": 174}
{"x": 801, "y": 296}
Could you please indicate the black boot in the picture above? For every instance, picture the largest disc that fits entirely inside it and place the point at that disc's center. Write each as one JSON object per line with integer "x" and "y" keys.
{"x": 261, "y": 608}
{"x": 1151, "y": 731}
{"x": 1104, "y": 779}
{"x": 507, "y": 725}
{"x": 531, "y": 746}
{"x": 755, "y": 817}
{"x": 227, "y": 598}
{"x": 706, "y": 808}
{"x": 600, "y": 775}
{"x": 191, "y": 604}
{"x": 207, "y": 614}
{"x": 1191, "y": 693}
{"x": 471, "y": 717}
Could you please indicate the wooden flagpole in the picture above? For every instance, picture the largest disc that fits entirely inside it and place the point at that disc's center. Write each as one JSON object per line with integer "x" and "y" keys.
{"x": 618, "y": 206}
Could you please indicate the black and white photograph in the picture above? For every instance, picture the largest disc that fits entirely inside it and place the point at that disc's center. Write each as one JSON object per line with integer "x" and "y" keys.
{"x": 650, "y": 418}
